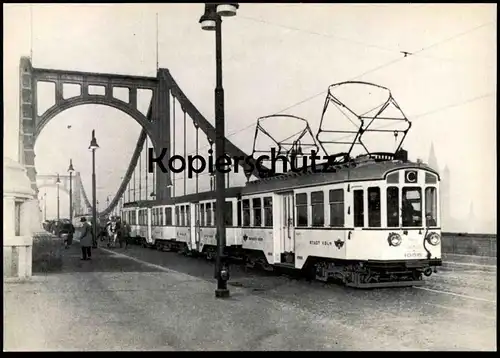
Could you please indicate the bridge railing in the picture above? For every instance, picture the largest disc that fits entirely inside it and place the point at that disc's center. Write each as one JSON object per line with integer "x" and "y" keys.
{"x": 469, "y": 244}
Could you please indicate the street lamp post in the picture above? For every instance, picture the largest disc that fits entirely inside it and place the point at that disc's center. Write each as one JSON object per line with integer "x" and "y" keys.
{"x": 93, "y": 147}
{"x": 210, "y": 21}
{"x": 71, "y": 170}
{"x": 58, "y": 182}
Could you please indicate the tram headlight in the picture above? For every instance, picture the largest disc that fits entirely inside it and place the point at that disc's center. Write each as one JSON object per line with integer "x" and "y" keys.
{"x": 434, "y": 238}
{"x": 394, "y": 239}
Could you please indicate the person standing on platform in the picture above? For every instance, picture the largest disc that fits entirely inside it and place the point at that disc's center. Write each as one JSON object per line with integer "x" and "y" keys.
{"x": 86, "y": 240}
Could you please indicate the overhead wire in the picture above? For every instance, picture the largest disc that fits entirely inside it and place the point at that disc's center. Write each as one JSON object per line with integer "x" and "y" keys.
{"x": 373, "y": 70}
{"x": 387, "y": 64}
{"x": 436, "y": 110}
{"x": 361, "y": 43}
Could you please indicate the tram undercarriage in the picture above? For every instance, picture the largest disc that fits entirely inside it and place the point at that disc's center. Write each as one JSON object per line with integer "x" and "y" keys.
{"x": 373, "y": 274}
{"x": 357, "y": 274}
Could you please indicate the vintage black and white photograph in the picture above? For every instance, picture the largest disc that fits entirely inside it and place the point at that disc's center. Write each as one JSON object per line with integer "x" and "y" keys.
{"x": 250, "y": 177}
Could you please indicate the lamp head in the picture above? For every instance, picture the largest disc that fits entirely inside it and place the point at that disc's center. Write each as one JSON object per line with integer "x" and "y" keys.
{"x": 71, "y": 169}
{"x": 227, "y": 9}
{"x": 207, "y": 20}
{"x": 93, "y": 142}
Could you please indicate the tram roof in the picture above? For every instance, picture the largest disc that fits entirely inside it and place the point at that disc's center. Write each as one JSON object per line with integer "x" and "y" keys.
{"x": 349, "y": 172}
{"x": 191, "y": 198}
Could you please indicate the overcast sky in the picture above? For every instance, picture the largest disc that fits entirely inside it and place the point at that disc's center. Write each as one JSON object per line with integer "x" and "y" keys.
{"x": 274, "y": 57}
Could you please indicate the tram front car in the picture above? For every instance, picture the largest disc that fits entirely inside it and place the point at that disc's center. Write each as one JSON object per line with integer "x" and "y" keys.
{"x": 408, "y": 243}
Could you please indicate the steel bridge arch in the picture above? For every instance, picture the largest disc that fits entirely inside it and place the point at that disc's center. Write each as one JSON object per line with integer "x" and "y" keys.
{"x": 93, "y": 99}
{"x": 50, "y": 185}
{"x": 156, "y": 124}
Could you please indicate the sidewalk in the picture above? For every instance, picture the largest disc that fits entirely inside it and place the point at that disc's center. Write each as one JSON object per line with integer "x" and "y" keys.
{"x": 119, "y": 303}
{"x": 114, "y": 303}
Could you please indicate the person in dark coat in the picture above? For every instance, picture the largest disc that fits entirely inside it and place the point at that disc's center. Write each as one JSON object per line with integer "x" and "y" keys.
{"x": 86, "y": 240}
{"x": 69, "y": 238}
{"x": 125, "y": 234}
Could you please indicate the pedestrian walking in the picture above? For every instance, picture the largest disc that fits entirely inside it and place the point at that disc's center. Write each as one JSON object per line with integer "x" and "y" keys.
{"x": 69, "y": 238}
{"x": 86, "y": 240}
{"x": 125, "y": 233}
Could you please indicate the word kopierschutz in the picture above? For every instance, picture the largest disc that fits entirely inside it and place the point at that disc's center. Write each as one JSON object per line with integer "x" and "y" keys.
{"x": 225, "y": 163}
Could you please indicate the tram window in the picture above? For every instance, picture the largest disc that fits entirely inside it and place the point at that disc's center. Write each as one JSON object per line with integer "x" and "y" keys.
{"x": 214, "y": 215}
{"x": 268, "y": 211}
{"x": 208, "y": 211}
{"x": 257, "y": 211}
{"x": 431, "y": 206}
{"x": 412, "y": 206}
{"x": 301, "y": 204}
{"x": 153, "y": 217}
{"x": 201, "y": 210}
{"x": 168, "y": 216}
{"x": 246, "y": 212}
{"x": 374, "y": 207}
{"x": 188, "y": 215}
{"x": 430, "y": 178}
{"x": 392, "y": 206}
{"x": 228, "y": 214}
{"x": 359, "y": 210}
{"x": 318, "y": 208}
{"x": 183, "y": 216}
{"x": 337, "y": 208}
{"x": 393, "y": 178}
{"x": 238, "y": 208}
{"x": 162, "y": 214}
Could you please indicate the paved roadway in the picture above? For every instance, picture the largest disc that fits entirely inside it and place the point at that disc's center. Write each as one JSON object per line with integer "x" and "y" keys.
{"x": 142, "y": 299}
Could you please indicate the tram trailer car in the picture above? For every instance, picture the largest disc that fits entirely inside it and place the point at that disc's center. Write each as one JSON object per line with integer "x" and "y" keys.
{"x": 186, "y": 224}
{"x": 368, "y": 223}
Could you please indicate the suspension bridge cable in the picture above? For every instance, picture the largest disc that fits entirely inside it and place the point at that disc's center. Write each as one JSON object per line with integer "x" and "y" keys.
{"x": 436, "y": 110}
{"x": 368, "y": 72}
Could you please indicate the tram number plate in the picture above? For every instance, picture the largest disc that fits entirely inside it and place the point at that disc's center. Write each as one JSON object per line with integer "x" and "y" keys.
{"x": 413, "y": 254}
